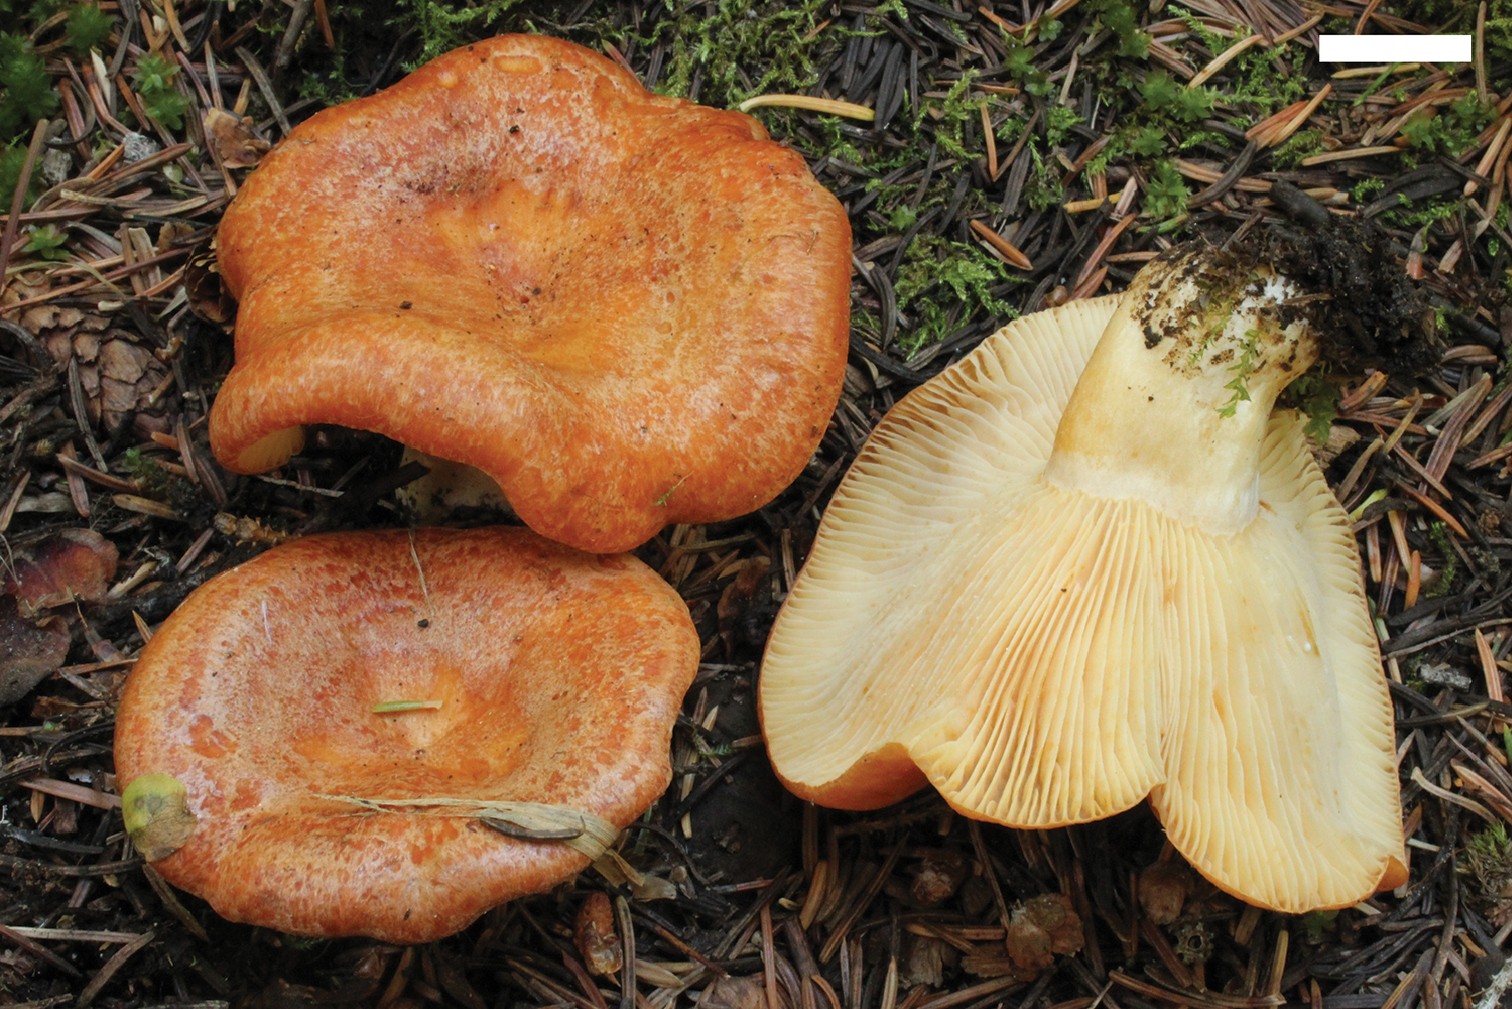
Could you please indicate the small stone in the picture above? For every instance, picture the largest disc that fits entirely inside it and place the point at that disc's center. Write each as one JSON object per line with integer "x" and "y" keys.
{"x": 138, "y": 146}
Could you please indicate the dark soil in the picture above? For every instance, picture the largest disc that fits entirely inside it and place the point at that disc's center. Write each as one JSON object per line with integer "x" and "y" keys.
{"x": 1376, "y": 316}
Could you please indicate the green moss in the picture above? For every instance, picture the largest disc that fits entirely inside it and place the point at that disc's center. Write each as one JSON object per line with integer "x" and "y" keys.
{"x": 1438, "y": 535}
{"x": 934, "y": 266}
{"x": 1317, "y": 926}
{"x": 1145, "y": 141}
{"x": 1201, "y": 139}
{"x": 30, "y": 12}
{"x": 1449, "y": 130}
{"x": 1256, "y": 81}
{"x": 11, "y": 160}
{"x": 1318, "y": 399}
{"x": 1296, "y": 148}
{"x": 26, "y": 92}
{"x": 1166, "y": 194}
{"x": 367, "y": 34}
{"x": 46, "y": 242}
{"x": 1162, "y": 94}
{"x": 1019, "y": 62}
{"x": 1424, "y": 214}
{"x": 1242, "y": 369}
{"x": 1042, "y": 187}
{"x": 1122, "y": 20}
{"x": 87, "y": 28}
{"x": 952, "y": 115}
{"x": 1059, "y": 121}
{"x": 161, "y": 101}
{"x": 446, "y": 26}
{"x": 1367, "y": 190}
{"x": 1486, "y": 862}
{"x": 718, "y": 47}
{"x": 145, "y": 471}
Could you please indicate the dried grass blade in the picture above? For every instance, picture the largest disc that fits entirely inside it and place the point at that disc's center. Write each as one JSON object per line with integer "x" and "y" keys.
{"x": 578, "y": 829}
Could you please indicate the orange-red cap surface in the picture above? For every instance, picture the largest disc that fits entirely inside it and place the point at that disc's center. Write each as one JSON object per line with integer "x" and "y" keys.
{"x": 627, "y": 309}
{"x": 557, "y": 677}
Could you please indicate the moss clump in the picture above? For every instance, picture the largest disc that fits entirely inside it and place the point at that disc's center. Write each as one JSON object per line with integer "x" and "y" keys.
{"x": 1449, "y": 130}
{"x": 87, "y": 28}
{"x": 1166, "y": 195}
{"x": 1318, "y": 399}
{"x": 26, "y": 96}
{"x": 26, "y": 92}
{"x": 714, "y": 48}
{"x": 1486, "y": 863}
{"x": 445, "y": 26}
{"x": 974, "y": 277}
{"x": 161, "y": 100}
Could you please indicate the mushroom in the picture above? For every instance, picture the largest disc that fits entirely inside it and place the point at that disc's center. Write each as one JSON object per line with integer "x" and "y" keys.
{"x": 1089, "y": 564}
{"x": 627, "y": 309}
{"x": 348, "y": 715}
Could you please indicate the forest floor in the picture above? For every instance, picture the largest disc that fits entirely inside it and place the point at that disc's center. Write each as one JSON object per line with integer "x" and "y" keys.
{"x": 1022, "y": 154}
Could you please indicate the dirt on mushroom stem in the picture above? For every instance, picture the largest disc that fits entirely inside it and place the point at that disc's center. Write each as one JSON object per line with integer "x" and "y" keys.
{"x": 1368, "y": 312}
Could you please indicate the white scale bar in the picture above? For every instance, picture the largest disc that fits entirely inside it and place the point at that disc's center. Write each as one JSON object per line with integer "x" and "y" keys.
{"x": 1394, "y": 48}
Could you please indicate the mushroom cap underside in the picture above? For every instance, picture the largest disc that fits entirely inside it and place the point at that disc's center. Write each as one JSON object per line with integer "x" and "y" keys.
{"x": 555, "y": 678}
{"x": 1044, "y": 656}
{"x": 627, "y": 309}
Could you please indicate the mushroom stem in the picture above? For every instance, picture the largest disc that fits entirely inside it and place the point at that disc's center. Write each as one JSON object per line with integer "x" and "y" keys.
{"x": 1172, "y": 407}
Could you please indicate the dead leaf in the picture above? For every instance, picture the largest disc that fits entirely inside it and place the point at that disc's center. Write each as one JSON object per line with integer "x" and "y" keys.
{"x": 1163, "y": 890}
{"x": 207, "y": 294}
{"x": 1040, "y": 928}
{"x": 734, "y": 993}
{"x": 66, "y": 565}
{"x": 30, "y": 650}
{"x": 233, "y": 139}
{"x": 937, "y": 877}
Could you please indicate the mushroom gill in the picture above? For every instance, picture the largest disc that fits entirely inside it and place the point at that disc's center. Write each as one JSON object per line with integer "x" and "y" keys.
{"x": 1090, "y": 564}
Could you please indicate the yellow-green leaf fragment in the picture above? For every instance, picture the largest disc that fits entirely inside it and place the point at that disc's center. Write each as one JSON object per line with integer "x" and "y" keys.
{"x": 398, "y": 707}
{"x": 156, "y": 810}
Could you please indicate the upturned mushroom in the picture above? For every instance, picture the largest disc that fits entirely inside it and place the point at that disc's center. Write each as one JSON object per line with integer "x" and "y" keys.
{"x": 626, "y": 309}
{"x": 386, "y": 734}
{"x": 1089, "y": 564}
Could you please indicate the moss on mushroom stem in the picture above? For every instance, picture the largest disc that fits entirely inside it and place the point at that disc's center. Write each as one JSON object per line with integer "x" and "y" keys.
{"x": 1172, "y": 407}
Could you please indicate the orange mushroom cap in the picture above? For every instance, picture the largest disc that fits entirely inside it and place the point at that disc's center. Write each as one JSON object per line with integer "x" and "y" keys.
{"x": 547, "y": 676}
{"x": 627, "y": 309}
